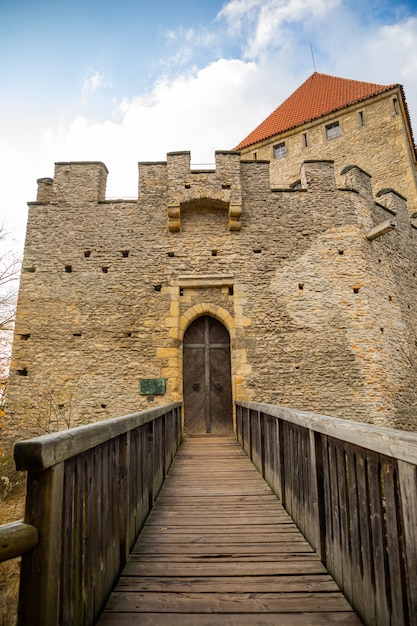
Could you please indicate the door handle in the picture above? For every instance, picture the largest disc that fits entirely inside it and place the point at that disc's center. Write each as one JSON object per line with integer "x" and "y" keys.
{"x": 196, "y": 386}
{"x": 219, "y": 386}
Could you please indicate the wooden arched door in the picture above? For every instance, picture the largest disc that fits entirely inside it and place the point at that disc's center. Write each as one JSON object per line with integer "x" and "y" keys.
{"x": 207, "y": 378}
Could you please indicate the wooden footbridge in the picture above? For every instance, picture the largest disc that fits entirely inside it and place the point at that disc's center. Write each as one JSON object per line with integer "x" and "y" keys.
{"x": 298, "y": 519}
{"x": 218, "y": 548}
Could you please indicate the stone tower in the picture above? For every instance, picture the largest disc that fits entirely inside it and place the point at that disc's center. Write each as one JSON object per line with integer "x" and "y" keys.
{"x": 349, "y": 121}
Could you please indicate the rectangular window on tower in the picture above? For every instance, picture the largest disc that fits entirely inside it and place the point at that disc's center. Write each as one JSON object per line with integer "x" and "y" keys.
{"x": 333, "y": 130}
{"x": 280, "y": 150}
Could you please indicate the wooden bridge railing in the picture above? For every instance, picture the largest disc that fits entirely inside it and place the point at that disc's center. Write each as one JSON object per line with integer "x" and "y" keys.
{"x": 89, "y": 491}
{"x": 352, "y": 490}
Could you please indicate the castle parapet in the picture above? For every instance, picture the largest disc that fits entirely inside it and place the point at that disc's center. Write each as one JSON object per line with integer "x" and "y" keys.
{"x": 357, "y": 179}
{"x": 152, "y": 177}
{"x": 318, "y": 175}
{"x": 81, "y": 181}
{"x": 392, "y": 200}
{"x": 45, "y": 190}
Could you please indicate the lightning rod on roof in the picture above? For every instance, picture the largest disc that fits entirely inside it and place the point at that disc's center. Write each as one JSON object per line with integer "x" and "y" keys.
{"x": 312, "y": 56}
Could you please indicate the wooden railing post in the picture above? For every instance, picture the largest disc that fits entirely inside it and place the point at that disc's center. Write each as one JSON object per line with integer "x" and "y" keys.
{"x": 318, "y": 529}
{"x": 408, "y": 490}
{"x": 150, "y": 463}
{"x": 124, "y": 500}
{"x": 280, "y": 463}
{"x": 239, "y": 425}
{"x": 246, "y": 432}
{"x": 256, "y": 440}
{"x": 262, "y": 427}
{"x": 39, "y": 586}
{"x": 167, "y": 430}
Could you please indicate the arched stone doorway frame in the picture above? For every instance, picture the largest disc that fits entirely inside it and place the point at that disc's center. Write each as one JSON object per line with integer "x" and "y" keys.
{"x": 223, "y": 316}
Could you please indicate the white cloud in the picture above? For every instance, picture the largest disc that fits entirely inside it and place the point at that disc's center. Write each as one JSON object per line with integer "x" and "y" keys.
{"x": 185, "y": 46}
{"x": 397, "y": 45}
{"x": 265, "y": 21}
{"x": 200, "y": 111}
{"x": 393, "y": 55}
{"x": 94, "y": 81}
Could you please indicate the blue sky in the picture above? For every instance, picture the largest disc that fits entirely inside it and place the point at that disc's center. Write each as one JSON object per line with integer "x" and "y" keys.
{"x": 131, "y": 80}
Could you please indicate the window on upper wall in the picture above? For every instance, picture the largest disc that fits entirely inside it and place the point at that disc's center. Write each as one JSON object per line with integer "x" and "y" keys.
{"x": 280, "y": 150}
{"x": 396, "y": 106}
{"x": 333, "y": 130}
{"x": 255, "y": 156}
{"x": 361, "y": 118}
{"x": 304, "y": 140}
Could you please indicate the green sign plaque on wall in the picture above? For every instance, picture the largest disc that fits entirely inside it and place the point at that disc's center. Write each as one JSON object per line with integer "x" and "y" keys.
{"x": 152, "y": 386}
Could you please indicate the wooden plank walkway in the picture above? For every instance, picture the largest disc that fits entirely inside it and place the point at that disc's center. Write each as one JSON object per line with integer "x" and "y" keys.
{"x": 219, "y": 549}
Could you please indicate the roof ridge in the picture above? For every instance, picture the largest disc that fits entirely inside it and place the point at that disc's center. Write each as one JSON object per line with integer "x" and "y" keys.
{"x": 319, "y": 95}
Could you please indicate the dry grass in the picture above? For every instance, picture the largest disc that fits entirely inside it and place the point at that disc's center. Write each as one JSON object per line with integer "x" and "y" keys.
{"x": 12, "y": 496}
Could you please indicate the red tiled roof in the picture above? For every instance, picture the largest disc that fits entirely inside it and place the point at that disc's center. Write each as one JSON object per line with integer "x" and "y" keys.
{"x": 318, "y": 95}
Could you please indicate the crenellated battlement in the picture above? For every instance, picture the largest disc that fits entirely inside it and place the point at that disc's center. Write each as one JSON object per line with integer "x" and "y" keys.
{"x": 180, "y": 186}
{"x": 79, "y": 181}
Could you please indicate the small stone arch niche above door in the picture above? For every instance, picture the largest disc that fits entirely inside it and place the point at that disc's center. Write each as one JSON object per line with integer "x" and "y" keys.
{"x": 207, "y": 380}
{"x": 234, "y": 212}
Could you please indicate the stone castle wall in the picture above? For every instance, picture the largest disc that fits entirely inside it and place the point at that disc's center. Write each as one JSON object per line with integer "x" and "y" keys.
{"x": 320, "y": 317}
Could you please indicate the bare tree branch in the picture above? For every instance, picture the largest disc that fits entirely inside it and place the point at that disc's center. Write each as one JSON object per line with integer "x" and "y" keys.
{"x": 9, "y": 277}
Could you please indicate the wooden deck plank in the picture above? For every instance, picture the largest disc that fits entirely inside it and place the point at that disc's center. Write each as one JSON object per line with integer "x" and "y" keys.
{"x": 223, "y": 557}
{"x": 231, "y": 568}
{"x": 190, "y": 602}
{"x": 202, "y": 538}
{"x": 218, "y": 548}
{"x": 235, "y": 584}
{"x": 223, "y": 506}
{"x": 218, "y": 544}
{"x": 229, "y": 619}
{"x": 203, "y": 528}
{"x": 198, "y": 520}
